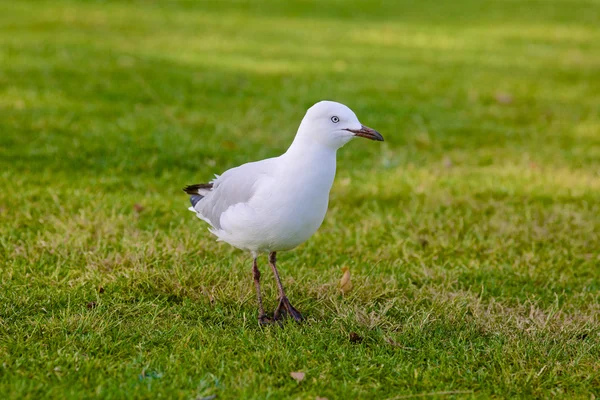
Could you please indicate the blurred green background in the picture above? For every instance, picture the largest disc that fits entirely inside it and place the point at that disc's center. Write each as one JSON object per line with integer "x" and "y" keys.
{"x": 472, "y": 233}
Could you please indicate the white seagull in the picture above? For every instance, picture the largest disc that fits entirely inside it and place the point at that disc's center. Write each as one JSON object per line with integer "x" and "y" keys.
{"x": 276, "y": 204}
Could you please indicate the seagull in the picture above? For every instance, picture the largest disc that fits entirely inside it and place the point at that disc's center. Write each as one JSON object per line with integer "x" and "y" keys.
{"x": 276, "y": 204}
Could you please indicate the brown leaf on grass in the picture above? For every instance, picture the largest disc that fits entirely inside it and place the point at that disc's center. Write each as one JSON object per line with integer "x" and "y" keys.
{"x": 448, "y": 162}
{"x": 355, "y": 338}
{"x": 298, "y": 376}
{"x": 138, "y": 208}
{"x": 504, "y": 98}
{"x": 91, "y": 304}
{"x": 345, "y": 282}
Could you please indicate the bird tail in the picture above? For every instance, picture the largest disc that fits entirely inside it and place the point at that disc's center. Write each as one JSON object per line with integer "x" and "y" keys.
{"x": 197, "y": 192}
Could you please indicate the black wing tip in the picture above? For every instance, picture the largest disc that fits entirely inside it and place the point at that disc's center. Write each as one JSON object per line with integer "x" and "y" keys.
{"x": 193, "y": 189}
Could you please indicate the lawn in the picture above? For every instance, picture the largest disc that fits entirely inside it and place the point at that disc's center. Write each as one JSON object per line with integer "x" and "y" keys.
{"x": 472, "y": 233}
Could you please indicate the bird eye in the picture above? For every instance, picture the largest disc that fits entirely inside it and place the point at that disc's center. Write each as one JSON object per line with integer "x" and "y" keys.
{"x": 335, "y": 119}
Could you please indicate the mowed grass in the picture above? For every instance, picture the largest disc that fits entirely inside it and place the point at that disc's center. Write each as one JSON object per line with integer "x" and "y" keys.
{"x": 472, "y": 234}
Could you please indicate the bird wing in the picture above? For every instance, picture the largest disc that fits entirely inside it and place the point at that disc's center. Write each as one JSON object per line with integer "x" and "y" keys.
{"x": 234, "y": 186}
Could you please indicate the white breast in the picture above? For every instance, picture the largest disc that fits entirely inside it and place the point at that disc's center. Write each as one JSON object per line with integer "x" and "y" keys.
{"x": 287, "y": 208}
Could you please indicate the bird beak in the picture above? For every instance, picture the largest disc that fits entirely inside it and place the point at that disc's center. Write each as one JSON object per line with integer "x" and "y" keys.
{"x": 367, "y": 132}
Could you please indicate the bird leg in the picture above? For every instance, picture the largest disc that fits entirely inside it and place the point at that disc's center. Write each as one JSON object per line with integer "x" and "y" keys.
{"x": 284, "y": 303}
{"x": 262, "y": 317}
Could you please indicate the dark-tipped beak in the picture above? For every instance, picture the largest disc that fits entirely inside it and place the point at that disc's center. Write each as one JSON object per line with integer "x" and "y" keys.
{"x": 367, "y": 132}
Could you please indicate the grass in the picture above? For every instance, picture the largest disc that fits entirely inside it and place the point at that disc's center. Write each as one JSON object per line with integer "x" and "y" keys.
{"x": 472, "y": 233}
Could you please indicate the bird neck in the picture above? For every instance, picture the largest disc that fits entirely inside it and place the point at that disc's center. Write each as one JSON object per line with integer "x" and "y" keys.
{"x": 305, "y": 150}
{"x": 309, "y": 164}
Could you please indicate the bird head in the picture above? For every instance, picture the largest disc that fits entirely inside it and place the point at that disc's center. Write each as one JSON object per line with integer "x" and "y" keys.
{"x": 333, "y": 124}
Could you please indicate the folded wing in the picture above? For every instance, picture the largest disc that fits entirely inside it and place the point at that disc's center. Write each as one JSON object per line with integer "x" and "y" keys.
{"x": 235, "y": 186}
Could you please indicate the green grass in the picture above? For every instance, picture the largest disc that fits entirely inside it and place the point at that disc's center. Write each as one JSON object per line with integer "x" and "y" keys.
{"x": 472, "y": 233}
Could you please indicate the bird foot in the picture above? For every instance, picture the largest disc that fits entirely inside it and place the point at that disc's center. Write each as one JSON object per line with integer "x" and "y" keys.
{"x": 285, "y": 307}
{"x": 263, "y": 320}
